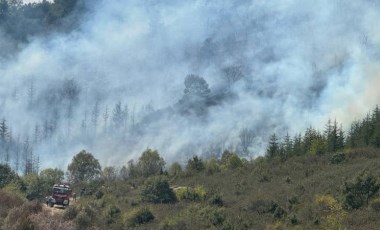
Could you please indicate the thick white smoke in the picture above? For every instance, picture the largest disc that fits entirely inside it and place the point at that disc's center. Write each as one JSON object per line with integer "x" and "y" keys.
{"x": 301, "y": 63}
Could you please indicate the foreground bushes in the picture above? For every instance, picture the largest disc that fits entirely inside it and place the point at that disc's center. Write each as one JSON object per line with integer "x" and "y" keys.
{"x": 157, "y": 190}
{"x": 19, "y": 217}
{"x": 358, "y": 191}
{"x": 191, "y": 194}
{"x": 7, "y": 202}
{"x": 137, "y": 216}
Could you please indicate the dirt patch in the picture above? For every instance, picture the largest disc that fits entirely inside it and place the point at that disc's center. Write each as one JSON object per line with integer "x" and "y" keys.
{"x": 57, "y": 209}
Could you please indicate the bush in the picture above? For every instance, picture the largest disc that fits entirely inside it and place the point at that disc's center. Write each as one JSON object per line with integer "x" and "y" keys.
{"x": 7, "y": 202}
{"x": 375, "y": 205}
{"x": 231, "y": 160}
{"x": 207, "y": 216}
{"x": 86, "y": 216}
{"x": 190, "y": 194}
{"x": 333, "y": 213}
{"x": 337, "y": 158}
{"x": 6, "y": 175}
{"x": 137, "y": 217}
{"x": 195, "y": 165}
{"x": 99, "y": 194}
{"x": 83, "y": 220}
{"x": 157, "y": 190}
{"x": 19, "y": 217}
{"x": 212, "y": 166}
{"x": 175, "y": 170}
{"x": 216, "y": 200}
{"x": 150, "y": 163}
{"x": 293, "y": 220}
{"x": 279, "y": 212}
{"x": 113, "y": 211}
{"x": 173, "y": 224}
{"x": 358, "y": 191}
{"x": 263, "y": 206}
{"x": 70, "y": 213}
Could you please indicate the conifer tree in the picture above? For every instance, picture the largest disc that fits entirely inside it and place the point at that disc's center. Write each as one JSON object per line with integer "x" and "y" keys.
{"x": 273, "y": 147}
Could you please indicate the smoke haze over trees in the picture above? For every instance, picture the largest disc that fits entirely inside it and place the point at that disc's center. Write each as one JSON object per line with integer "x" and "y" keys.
{"x": 185, "y": 78}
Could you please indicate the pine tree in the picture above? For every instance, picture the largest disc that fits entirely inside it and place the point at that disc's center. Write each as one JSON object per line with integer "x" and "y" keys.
{"x": 3, "y": 132}
{"x": 297, "y": 145}
{"x": 273, "y": 147}
{"x": 288, "y": 145}
{"x": 95, "y": 115}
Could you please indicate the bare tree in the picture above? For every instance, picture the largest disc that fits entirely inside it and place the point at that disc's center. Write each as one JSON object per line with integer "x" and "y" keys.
{"x": 31, "y": 93}
{"x": 105, "y": 119}
{"x": 232, "y": 74}
{"x": 95, "y": 115}
{"x": 246, "y": 137}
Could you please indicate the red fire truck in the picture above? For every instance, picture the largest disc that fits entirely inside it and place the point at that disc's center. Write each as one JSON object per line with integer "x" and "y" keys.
{"x": 60, "y": 195}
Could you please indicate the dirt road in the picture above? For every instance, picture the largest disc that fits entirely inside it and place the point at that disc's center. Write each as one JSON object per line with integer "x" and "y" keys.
{"x": 57, "y": 209}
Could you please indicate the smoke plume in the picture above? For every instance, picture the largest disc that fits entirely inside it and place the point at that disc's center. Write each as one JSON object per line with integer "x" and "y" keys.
{"x": 115, "y": 86}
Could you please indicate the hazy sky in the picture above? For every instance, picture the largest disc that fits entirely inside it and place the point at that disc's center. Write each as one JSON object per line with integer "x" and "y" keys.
{"x": 302, "y": 63}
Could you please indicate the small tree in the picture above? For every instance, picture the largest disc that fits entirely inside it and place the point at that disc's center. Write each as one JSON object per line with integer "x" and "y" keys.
{"x": 273, "y": 147}
{"x": 195, "y": 164}
{"x": 150, "y": 163}
{"x": 109, "y": 173}
{"x": 6, "y": 175}
{"x": 231, "y": 160}
{"x": 83, "y": 168}
{"x": 157, "y": 190}
{"x": 358, "y": 191}
{"x": 51, "y": 176}
{"x": 175, "y": 169}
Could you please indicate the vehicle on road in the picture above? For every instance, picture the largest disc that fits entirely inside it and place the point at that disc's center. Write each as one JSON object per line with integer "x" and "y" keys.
{"x": 61, "y": 194}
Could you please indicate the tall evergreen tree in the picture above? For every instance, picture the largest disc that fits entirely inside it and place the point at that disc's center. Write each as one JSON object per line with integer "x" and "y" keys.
{"x": 273, "y": 147}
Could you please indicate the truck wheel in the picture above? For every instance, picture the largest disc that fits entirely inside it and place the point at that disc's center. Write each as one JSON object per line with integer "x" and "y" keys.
{"x": 51, "y": 205}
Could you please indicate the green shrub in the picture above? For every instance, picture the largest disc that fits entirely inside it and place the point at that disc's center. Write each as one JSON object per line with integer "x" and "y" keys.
{"x": 375, "y": 205}
{"x": 137, "y": 217}
{"x": 87, "y": 215}
{"x": 210, "y": 216}
{"x": 212, "y": 166}
{"x": 216, "y": 199}
{"x": 157, "y": 190}
{"x": 83, "y": 220}
{"x": 112, "y": 214}
{"x": 99, "y": 194}
{"x": 279, "y": 212}
{"x": 231, "y": 160}
{"x": 293, "y": 220}
{"x": 337, "y": 158}
{"x": 263, "y": 206}
{"x": 191, "y": 194}
{"x": 195, "y": 165}
{"x": 175, "y": 170}
{"x": 150, "y": 163}
{"x": 6, "y": 175}
{"x": 173, "y": 224}
{"x": 113, "y": 211}
{"x": 358, "y": 191}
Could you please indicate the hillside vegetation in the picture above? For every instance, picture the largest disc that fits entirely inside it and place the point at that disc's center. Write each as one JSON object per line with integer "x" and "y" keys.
{"x": 303, "y": 192}
{"x": 317, "y": 180}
